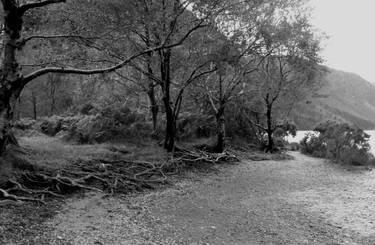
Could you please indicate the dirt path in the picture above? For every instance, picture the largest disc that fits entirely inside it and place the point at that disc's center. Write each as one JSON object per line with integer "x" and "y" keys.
{"x": 301, "y": 201}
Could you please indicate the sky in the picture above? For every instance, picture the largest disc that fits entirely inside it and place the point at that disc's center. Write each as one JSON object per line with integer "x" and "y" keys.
{"x": 350, "y": 26}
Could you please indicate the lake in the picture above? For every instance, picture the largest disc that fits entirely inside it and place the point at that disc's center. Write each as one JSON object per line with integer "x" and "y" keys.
{"x": 301, "y": 134}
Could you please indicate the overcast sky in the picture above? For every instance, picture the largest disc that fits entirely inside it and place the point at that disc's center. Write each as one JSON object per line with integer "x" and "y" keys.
{"x": 350, "y": 25}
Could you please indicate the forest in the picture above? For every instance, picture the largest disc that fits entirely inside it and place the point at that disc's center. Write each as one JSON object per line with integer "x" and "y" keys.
{"x": 196, "y": 78}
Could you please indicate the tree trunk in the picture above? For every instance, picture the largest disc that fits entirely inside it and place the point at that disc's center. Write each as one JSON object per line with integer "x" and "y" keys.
{"x": 220, "y": 130}
{"x": 170, "y": 130}
{"x": 270, "y": 144}
{"x": 34, "y": 103}
{"x": 53, "y": 106}
{"x": 53, "y": 103}
{"x": 11, "y": 77}
{"x": 154, "y": 108}
{"x": 51, "y": 82}
{"x": 19, "y": 113}
{"x": 7, "y": 99}
{"x": 5, "y": 119}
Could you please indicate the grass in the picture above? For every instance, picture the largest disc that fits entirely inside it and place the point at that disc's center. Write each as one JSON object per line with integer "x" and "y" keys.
{"x": 26, "y": 224}
{"x": 261, "y": 156}
{"x": 45, "y": 151}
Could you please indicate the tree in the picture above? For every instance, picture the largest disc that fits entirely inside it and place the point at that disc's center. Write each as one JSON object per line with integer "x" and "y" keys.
{"x": 274, "y": 31}
{"x": 241, "y": 47}
{"x": 13, "y": 79}
{"x": 288, "y": 74}
{"x": 225, "y": 85}
{"x": 172, "y": 20}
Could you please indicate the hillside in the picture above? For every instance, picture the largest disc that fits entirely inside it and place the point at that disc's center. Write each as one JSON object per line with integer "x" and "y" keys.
{"x": 343, "y": 97}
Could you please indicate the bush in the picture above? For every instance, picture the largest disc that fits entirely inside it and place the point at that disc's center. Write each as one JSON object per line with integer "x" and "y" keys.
{"x": 311, "y": 144}
{"x": 51, "y": 126}
{"x": 110, "y": 124}
{"x": 293, "y": 146}
{"x": 195, "y": 126}
{"x": 25, "y": 124}
{"x": 338, "y": 141}
{"x": 87, "y": 109}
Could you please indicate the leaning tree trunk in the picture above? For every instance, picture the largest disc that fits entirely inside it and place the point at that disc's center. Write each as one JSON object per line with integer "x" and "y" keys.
{"x": 220, "y": 130}
{"x": 11, "y": 82}
{"x": 7, "y": 100}
{"x": 18, "y": 106}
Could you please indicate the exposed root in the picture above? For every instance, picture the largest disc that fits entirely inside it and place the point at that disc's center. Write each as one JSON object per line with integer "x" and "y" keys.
{"x": 196, "y": 157}
{"x": 4, "y": 194}
{"x": 110, "y": 175}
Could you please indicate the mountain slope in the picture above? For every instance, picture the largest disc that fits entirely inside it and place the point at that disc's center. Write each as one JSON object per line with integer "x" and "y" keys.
{"x": 344, "y": 97}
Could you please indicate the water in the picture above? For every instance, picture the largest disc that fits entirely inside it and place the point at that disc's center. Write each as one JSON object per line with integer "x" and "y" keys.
{"x": 301, "y": 134}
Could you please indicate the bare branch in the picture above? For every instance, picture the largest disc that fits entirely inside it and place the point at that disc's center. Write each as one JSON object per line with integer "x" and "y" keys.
{"x": 38, "y": 4}
{"x": 63, "y": 70}
{"x": 25, "y": 40}
{"x": 255, "y": 124}
{"x": 191, "y": 78}
{"x": 148, "y": 74}
{"x": 210, "y": 98}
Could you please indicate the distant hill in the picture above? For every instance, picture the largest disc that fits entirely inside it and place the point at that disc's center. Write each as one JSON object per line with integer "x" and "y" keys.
{"x": 343, "y": 97}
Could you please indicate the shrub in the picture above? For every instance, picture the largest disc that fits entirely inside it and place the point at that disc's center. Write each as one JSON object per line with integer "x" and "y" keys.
{"x": 110, "y": 124}
{"x": 311, "y": 144}
{"x": 338, "y": 141}
{"x": 25, "y": 124}
{"x": 195, "y": 126}
{"x": 279, "y": 134}
{"x": 86, "y": 109}
{"x": 51, "y": 126}
{"x": 293, "y": 146}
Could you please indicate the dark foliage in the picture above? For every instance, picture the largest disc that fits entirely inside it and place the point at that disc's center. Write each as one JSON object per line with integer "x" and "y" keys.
{"x": 110, "y": 124}
{"x": 338, "y": 141}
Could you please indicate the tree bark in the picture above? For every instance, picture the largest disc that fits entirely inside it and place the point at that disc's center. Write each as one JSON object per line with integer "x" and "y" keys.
{"x": 11, "y": 77}
{"x": 34, "y": 103}
{"x": 5, "y": 118}
{"x": 52, "y": 93}
{"x": 19, "y": 105}
{"x": 7, "y": 102}
{"x": 170, "y": 130}
{"x": 154, "y": 108}
{"x": 270, "y": 145}
{"x": 220, "y": 130}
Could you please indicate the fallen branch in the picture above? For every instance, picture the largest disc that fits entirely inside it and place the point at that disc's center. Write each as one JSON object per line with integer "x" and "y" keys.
{"x": 111, "y": 175}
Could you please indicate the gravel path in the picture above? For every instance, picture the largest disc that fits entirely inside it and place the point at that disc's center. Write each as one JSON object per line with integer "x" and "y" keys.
{"x": 301, "y": 201}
